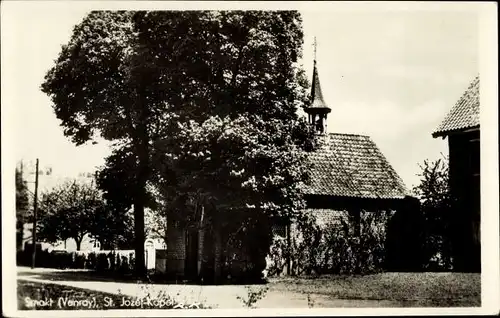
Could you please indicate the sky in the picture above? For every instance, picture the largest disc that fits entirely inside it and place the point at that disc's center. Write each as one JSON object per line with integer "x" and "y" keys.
{"x": 391, "y": 75}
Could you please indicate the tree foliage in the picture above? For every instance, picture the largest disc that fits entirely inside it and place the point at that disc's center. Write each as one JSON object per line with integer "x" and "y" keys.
{"x": 200, "y": 105}
{"x": 75, "y": 209}
{"x": 100, "y": 86}
{"x": 434, "y": 194}
{"x": 239, "y": 151}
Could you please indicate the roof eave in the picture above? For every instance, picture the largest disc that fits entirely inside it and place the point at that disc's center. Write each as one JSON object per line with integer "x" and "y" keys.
{"x": 446, "y": 133}
{"x": 358, "y": 197}
{"x": 323, "y": 109}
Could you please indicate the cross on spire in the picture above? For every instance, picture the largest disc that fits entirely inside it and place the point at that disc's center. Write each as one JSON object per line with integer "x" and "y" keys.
{"x": 317, "y": 110}
{"x": 315, "y": 44}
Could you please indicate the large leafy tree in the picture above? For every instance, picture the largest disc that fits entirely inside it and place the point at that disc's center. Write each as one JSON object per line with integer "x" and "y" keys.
{"x": 237, "y": 144}
{"x": 153, "y": 82}
{"x": 101, "y": 84}
{"x": 68, "y": 211}
{"x": 77, "y": 208}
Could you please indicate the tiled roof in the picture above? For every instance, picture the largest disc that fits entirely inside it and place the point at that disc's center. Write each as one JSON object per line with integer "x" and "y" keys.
{"x": 352, "y": 166}
{"x": 465, "y": 113}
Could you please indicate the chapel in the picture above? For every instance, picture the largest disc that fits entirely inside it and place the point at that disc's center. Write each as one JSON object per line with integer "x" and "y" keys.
{"x": 350, "y": 175}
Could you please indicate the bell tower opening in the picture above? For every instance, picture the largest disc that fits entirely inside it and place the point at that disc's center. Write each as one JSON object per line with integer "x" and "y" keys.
{"x": 317, "y": 110}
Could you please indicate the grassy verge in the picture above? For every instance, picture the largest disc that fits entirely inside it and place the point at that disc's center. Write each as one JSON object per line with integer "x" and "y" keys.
{"x": 410, "y": 289}
{"x": 38, "y": 296}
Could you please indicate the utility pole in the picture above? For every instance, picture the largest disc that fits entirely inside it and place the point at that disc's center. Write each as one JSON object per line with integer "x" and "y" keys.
{"x": 21, "y": 220}
{"x": 35, "y": 203}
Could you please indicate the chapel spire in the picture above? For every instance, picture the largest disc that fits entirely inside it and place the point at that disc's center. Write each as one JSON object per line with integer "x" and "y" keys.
{"x": 318, "y": 110}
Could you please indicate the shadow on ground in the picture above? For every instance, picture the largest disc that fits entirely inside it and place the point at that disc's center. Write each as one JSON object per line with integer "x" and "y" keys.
{"x": 90, "y": 275}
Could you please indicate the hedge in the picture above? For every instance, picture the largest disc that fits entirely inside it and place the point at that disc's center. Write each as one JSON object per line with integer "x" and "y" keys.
{"x": 119, "y": 261}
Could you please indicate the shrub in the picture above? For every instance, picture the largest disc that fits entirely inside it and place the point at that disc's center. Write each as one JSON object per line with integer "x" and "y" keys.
{"x": 92, "y": 261}
{"x": 79, "y": 260}
{"x": 102, "y": 261}
{"x": 276, "y": 260}
{"x": 335, "y": 248}
{"x": 253, "y": 295}
{"x": 163, "y": 300}
{"x": 307, "y": 247}
{"x": 118, "y": 263}
{"x": 437, "y": 212}
{"x": 121, "y": 262}
{"x": 245, "y": 249}
{"x": 131, "y": 263}
{"x": 111, "y": 258}
{"x": 61, "y": 259}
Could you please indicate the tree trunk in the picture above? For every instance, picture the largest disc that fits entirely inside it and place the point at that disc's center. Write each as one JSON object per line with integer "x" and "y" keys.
{"x": 140, "y": 268}
{"x": 78, "y": 243}
{"x": 19, "y": 236}
{"x": 139, "y": 200}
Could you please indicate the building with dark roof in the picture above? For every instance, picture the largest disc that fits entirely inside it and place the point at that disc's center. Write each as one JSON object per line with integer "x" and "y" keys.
{"x": 349, "y": 175}
{"x": 461, "y": 127}
{"x": 347, "y": 167}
